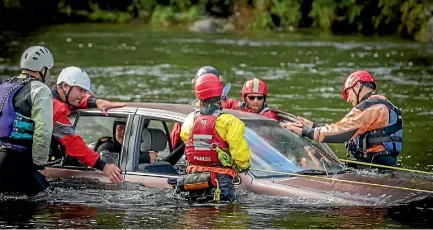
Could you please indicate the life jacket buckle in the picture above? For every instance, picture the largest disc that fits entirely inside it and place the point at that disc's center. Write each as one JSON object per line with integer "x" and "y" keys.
{"x": 214, "y": 146}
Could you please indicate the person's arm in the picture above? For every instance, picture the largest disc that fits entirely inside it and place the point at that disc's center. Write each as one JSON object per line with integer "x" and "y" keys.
{"x": 42, "y": 116}
{"x": 175, "y": 134}
{"x": 91, "y": 101}
{"x": 351, "y": 126}
{"x": 238, "y": 145}
{"x": 73, "y": 143}
{"x": 186, "y": 127}
{"x": 229, "y": 103}
{"x": 88, "y": 102}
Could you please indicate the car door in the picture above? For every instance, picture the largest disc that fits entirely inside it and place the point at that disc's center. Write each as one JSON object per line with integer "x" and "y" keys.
{"x": 152, "y": 175}
{"x": 91, "y": 125}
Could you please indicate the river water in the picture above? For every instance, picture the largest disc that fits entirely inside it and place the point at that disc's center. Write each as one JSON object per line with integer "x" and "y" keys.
{"x": 304, "y": 73}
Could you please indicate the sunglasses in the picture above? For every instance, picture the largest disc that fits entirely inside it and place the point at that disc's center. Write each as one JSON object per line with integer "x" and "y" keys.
{"x": 260, "y": 98}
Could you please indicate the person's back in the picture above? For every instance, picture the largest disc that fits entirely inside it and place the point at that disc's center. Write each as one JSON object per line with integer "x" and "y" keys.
{"x": 26, "y": 124}
{"x": 215, "y": 146}
{"x": 175, "y": 131}
{"x": 226, "y": 103}
{"x": 381, "y": 134}
{"x": 226, "y": 129}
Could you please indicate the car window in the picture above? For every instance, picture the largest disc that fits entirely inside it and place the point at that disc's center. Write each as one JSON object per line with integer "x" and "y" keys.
{"x": 156, "y": 124}
{"x": 91, "y": 128}
{"x": 276, "y": 149}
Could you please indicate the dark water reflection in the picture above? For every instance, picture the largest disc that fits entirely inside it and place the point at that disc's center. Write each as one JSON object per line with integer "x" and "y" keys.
{"x": 154, "y": 208}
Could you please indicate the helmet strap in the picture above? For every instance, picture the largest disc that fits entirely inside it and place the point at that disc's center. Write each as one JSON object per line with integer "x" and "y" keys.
{"x": 43, "y": 74}
{"x": 244, "y": 103}
{"x": 373, "y": 92}
{"x": 66, "y": 94}
{"x": 358, "y": 93}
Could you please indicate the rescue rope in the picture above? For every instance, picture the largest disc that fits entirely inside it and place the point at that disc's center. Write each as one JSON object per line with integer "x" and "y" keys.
{"x": 385, "y": 166}
{"x": 346, "y": 181}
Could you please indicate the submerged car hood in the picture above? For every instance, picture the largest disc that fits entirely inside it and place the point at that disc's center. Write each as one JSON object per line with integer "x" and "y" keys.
{"x": 390, "y": 189}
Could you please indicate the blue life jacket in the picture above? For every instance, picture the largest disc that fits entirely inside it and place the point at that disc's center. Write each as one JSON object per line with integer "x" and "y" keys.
{"x": 390, "y": 136}
{"x": 16, "y": 131}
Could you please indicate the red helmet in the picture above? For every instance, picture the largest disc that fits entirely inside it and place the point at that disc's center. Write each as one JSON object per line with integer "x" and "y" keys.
{"x": 358, "y": 76}
{"x": 207, "y": 86}
{"x": 254, "y": 85}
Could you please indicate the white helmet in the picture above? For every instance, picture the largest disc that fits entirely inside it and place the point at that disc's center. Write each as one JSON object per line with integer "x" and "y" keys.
{"x": 74, "y": 76}
{"x": 37, "y": 57}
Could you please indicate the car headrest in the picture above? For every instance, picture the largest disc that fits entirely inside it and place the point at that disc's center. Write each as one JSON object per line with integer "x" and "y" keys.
{"x": 153, "y": 140}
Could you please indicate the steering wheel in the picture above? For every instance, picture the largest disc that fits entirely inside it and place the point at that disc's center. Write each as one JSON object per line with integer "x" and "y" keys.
{"x": 175, "y": 155}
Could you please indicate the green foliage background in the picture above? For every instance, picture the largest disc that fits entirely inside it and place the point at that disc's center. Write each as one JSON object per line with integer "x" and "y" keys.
{"x": 406, "y": 18}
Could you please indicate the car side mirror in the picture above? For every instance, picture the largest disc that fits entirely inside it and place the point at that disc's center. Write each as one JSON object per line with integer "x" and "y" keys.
{"x": 109, "y": 157}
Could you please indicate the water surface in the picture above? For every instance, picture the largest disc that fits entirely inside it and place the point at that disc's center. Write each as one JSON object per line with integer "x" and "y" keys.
{"x": 304, "y": 73}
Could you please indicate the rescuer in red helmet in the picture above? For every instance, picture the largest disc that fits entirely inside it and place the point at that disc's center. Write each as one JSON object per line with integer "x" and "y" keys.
{"x": 372, "y": 130}
{"x": 215, "y": 146}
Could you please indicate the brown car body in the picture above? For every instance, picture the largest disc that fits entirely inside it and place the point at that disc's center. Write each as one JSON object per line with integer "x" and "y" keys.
{"x": 369, "y": 190}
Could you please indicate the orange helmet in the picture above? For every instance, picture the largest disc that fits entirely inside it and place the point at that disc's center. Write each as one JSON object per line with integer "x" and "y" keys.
{"x": 358, "y": 76}
{"x": 207, "y": 86}
{"x": 254, "y": 85}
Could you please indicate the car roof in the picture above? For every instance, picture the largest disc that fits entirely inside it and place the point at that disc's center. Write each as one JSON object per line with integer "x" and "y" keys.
{"x": 180, "y": 109}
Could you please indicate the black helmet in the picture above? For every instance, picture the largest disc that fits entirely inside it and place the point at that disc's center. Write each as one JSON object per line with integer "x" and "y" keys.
{"x": 205, "y": 70}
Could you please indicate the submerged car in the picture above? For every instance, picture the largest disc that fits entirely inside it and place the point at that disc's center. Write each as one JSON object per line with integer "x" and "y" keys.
{"x": 283, "y": 164}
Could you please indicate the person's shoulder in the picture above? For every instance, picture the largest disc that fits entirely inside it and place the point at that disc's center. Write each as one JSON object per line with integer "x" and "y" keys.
{"x": 271, "y": 111}
{"x": 104, "y": 143}
{"x": 190, "y": 116}
{"x": 227, "y": 115}
{"x": 60, "y": 107}
{"x": 229, "y": 118}
{"x": 230, "y": 103}
{"x": 40, "y": 89}
{"x": 37, "y": 85}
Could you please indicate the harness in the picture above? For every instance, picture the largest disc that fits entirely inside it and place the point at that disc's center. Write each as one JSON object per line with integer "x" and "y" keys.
{"x": 390, "y": 136}
{"x": 207, "y": 155}
{"x": 16, "y": 132}
{"x": 204, "y": 146}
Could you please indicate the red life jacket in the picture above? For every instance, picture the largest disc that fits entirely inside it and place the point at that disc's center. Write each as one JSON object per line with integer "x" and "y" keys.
{"x": 201, "y": 144}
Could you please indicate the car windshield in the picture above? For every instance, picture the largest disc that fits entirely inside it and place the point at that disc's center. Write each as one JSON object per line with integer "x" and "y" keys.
{"x": 275, "y": 149}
